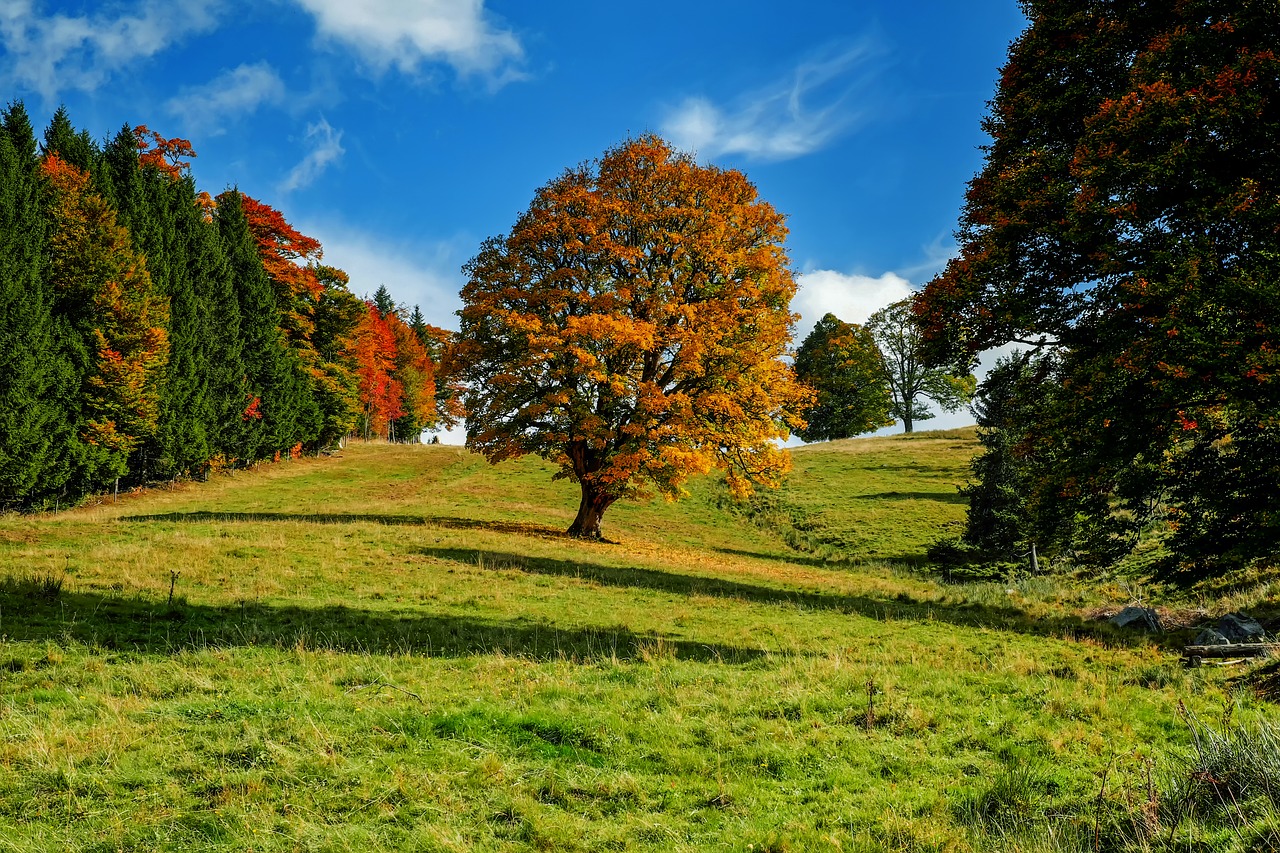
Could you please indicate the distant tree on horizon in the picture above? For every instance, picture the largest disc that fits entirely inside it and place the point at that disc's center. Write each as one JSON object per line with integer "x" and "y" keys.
{"x": 910, "y": 378}
{"x": 842, "y": 364}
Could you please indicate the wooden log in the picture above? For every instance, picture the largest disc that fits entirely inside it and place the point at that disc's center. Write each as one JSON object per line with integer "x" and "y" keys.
{"x": 1195, "y": 654}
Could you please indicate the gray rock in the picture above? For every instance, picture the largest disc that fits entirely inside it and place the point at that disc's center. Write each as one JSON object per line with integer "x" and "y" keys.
{"x": 1238, "y": 628}
{"x": 1139, "y": 618}
{"x": 1210, "y": 637}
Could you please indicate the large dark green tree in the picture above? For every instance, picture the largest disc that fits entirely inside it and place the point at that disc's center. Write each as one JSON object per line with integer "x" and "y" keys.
{"x": 1127, "y": 218}
{"x": 842, "y": 364}
{"x": 36, "y": 377}
{"x": 279, "y": 409}
{"x": 75, "y": 147}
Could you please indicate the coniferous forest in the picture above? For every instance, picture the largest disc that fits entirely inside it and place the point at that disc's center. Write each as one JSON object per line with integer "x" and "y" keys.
{"x": 150, "y": 331}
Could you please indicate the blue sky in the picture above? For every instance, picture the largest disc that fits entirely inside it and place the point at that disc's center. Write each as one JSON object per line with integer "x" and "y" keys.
{"x": 401, "y": 133}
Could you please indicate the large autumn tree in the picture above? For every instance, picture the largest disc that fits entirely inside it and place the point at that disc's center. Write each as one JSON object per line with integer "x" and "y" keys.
{"x": 1127, "y": 223}
{"x": 630, "y": 329}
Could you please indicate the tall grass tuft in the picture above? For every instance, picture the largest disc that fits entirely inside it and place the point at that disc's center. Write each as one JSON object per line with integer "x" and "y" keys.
{"x": 1014, "y": 801}
{"x": 1230, "y": 772}
{"x": 34, "y": 586}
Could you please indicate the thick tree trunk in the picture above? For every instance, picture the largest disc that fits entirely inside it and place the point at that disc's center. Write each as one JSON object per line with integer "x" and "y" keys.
{"x": 590, "y": 511}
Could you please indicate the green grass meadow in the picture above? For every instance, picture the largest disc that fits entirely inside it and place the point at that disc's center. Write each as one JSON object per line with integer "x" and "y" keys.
{"x": 395, "y": 649}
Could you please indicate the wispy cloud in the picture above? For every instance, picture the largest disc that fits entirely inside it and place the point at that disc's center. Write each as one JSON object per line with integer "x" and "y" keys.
{"x": 233, "y": 93}
{"x": 407, "y": 33}
{"x": 782, "y": 121}
{"x": 326, "y": 148}
{"x": 934, "y": 258}
{"x": 422, "y": 271}
{"x": 48, "y": 54}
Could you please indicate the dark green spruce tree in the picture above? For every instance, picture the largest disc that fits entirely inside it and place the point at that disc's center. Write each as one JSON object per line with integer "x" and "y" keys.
{"x": 184, "y": 442}
{"x": 215, "y": 313}
{"x": 998, "y": 518}
{"x": 383, "y": 302}
{"x": 73, "y": 146}
{"x": 33, "y": 432}
{"x": 280, "y": 411}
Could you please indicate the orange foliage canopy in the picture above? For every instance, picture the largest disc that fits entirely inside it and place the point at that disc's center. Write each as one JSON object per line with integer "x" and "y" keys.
{"x": 373, "y": 346}
{"x": 414, "y": 371}
{"x": 282, "y": 247}
{"x": 631, "y": 329}
{"x": 170, "y": 156}
{"x": 109, "y": 294}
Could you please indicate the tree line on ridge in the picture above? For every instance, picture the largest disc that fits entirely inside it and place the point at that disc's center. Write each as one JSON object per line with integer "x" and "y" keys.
{"x": 149, "y": 331}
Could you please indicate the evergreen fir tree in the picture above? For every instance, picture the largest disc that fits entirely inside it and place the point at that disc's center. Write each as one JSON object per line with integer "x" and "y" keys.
{"x": 17, "y": 126}
{"x": 419, "y": 325}
{"x": 280, "y": 411}
{"x": 217, "y": 312}
{"x": 383, "y": 302}
{"x": 997, "y": 519}
{"x": 75, "y": 148}
{"x": 182, "y": 445}
{"x": 33, "y": 429}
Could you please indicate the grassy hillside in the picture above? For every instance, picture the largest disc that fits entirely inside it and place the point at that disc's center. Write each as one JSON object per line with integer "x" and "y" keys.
{"x": 395, "y": 649}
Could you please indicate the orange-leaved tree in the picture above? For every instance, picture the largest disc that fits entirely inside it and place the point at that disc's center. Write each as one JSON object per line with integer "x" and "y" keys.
{"x": 282, "y": 249}
{"x": 118, "y": 344}
{"x": 416, "y": 374}
{"x": 373, "y": 347}
{"x": 631, "y": 329}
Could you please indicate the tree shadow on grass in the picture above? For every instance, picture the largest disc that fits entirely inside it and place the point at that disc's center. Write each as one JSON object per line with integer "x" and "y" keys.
{"x": 448, "y": 522}
{"x": 951, "y": 497}
{"x": 899, "y": 608}
{"x": 792, "y": 557}
{"x": 132, "y": 623}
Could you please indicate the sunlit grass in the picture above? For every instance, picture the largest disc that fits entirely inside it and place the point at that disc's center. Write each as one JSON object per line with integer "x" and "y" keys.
{"x": 396, "y": 649}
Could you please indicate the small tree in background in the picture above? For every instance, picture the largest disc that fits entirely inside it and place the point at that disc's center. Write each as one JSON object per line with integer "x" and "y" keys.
{"x": 910, "y": 378}
{"x": 997, "y": 519}
{"x": 631, "y": 329}
{"x": 842, "y": 364}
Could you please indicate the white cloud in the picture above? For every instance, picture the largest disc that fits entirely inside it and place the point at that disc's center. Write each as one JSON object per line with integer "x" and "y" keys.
{"x": 423, "y": 273}
{"x": 778, "y": 122}
{"x": 326, "y": 148}
{"x": 231, "y": 94}
{"x": 851, "y": 297}
{"x": 53, "y": 53}
{"x": 406, "y": 33}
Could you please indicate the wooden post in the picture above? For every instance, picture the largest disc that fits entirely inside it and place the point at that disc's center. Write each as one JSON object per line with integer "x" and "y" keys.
{"x": 1035, "y": 563}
